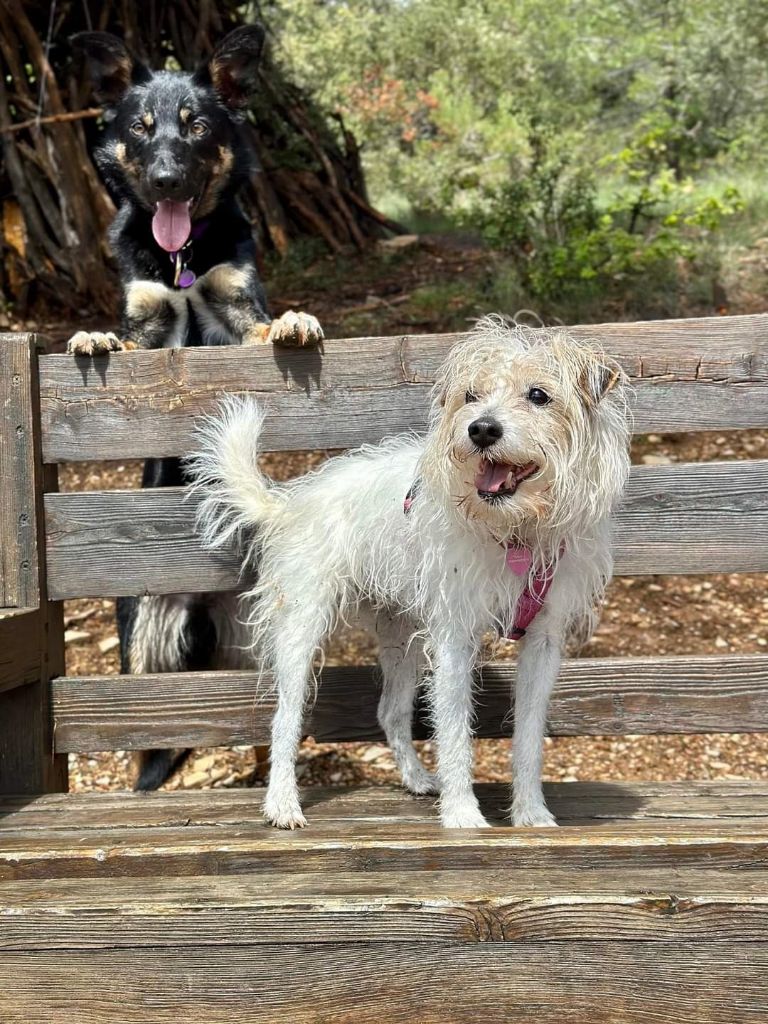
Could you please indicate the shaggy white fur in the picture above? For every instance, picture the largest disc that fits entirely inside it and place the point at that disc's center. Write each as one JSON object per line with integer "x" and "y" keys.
{"x": 527, "y": 446}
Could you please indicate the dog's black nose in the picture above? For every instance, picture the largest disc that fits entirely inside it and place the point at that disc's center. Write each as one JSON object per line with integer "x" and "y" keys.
{"x": 485, "y": 431}
{"x": 165, "y": 181}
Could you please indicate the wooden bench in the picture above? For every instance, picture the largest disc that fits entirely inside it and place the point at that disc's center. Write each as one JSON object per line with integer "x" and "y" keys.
{"x": 649, "y": 904}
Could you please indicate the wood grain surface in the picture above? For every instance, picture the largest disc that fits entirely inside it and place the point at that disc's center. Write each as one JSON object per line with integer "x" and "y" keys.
{"x": 608, "y": 982}
{"x": 594, "y": 696}
{"x": 685, "y": 518}
{"x": 689, "y": 375}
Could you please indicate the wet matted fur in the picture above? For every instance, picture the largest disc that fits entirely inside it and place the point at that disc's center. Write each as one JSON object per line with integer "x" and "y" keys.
{"x": 527, "y": 448}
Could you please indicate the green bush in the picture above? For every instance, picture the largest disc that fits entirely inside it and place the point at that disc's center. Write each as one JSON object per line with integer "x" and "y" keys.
{"x": 565, "y": 239}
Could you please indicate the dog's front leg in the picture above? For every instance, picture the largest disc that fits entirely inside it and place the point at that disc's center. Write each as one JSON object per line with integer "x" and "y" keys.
{"x": 538, "y": 666}
{"x": 452, "y": 711}
{"x": 235, "y": 299}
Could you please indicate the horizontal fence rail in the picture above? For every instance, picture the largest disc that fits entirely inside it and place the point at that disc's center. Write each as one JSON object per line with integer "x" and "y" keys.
{"x": 710, "y": 517}
{"x": 594, "y": 696}
{"x": 698, "y": 374}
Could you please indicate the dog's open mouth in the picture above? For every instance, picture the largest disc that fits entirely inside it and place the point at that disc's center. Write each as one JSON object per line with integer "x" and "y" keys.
{"x": 496, "y": 480}
{"x": 172, "y": 223}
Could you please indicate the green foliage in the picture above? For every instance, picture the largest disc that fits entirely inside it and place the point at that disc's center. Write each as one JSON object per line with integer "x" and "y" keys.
{"x": 564, "y": 239}
{"x": 580, "y": 139}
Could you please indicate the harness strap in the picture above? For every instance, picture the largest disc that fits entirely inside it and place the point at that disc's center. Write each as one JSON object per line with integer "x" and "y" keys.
{"x": 531, "y": 600}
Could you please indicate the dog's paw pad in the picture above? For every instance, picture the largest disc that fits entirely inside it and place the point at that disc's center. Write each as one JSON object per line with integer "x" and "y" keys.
{"x": 299, "y": 329}
{"x": 96, "y": 343}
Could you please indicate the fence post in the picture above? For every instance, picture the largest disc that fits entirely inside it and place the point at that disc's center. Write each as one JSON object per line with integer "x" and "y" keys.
{"x": 31, "y": 626}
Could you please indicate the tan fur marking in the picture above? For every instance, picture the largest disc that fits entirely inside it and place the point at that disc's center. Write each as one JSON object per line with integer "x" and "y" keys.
{"x": 148, "y": 120}
{"x": 224, "y": 163}
{"x": 227, "y": 281}
{"x": 219, "y": 75}
{"x": 220, "y": 172}
{"x": 131, "y": 167}
{"x": 185, "y": 114}
{"x": 144, "y": 298}
{"x": 257, "y": 335}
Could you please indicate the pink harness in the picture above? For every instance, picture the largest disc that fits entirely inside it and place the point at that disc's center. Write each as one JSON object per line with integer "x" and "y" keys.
{"x": 531, "y": 600}
{"x": 519, "y": 560}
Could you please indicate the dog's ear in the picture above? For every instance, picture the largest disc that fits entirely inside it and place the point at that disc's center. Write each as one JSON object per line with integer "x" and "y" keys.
{"x": 233, "y": 68}
{"x": 597, "y": 380}
{"x": 111, "y": 67}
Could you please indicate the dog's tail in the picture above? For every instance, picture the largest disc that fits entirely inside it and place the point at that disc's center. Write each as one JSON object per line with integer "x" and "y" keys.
{"x": 236, "y": 496}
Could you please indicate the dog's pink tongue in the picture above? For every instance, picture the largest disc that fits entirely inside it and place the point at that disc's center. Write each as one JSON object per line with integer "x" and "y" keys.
{"x": 171, "y": 225}
{"x": 491, "y": 476}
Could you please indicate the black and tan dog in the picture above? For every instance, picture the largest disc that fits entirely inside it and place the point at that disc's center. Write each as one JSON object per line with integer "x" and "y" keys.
{"x": 173, "y": 156}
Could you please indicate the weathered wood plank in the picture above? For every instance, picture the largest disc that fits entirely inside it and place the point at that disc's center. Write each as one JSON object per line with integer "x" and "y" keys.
{"x": 570, "y": 802}
{"x": 594, "y": 696}
{"x": 419, "y": 906}
{"x": 610, "y": 982}
{"x": 18, "y": 523}
{"x": 684, "y": 518}
{"x": 351, "y": 846}
{"x": 21, "y": 639}
{"x": 690, "y": 375}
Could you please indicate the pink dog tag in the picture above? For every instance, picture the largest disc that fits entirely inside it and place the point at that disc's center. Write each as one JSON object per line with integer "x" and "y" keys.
{"x": 519, "y": 560}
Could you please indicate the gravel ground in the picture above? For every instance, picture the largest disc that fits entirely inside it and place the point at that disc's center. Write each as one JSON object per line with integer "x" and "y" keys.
{"x": 648, "y": 615}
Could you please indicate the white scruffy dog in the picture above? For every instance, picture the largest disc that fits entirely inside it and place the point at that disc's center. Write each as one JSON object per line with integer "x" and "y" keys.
{"x": 499, "y": 512}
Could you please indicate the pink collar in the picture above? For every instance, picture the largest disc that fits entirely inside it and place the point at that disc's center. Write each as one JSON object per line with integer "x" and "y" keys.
{"x": 519, "y": 560}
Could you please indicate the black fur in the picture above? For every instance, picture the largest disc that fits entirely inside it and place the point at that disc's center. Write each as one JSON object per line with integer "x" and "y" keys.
{"x": 150, "y": 152}
{"x": 178, "y": 136}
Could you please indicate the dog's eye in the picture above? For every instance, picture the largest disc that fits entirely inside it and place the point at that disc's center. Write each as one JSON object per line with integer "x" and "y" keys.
{"x": 470, "y": 396}
{"x": 539, "y": 396}
{"x": 138, "y": 128}
{"x": 199, "y": 128}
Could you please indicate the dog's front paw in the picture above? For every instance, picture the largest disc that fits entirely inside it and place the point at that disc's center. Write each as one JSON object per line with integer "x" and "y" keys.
{"x": 284, "y": 812}
{"x": 466, "y": 816}
{"x": 94, "y": 343}
{"x": 299, "y": 329}
{"x": 532, "y": 816}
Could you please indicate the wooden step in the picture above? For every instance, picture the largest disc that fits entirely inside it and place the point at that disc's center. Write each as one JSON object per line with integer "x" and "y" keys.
{"x": 609, "y": 982}
{"x": 709, "y": 825}
{"x": 649, "y": 904}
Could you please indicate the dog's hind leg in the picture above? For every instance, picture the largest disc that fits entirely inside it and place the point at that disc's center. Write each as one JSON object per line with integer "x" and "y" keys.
{"x": 452, "y": 711}
{"x": 401, "y": 656}
{"x": 295, "y": 634}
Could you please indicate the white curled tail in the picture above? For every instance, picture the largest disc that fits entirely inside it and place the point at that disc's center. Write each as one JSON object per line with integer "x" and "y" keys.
{"x": 236, "y": 496}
